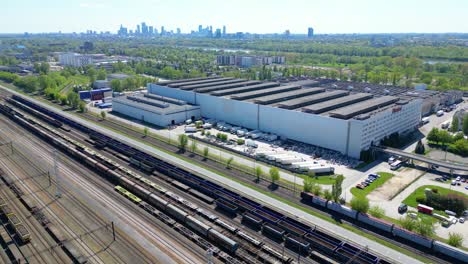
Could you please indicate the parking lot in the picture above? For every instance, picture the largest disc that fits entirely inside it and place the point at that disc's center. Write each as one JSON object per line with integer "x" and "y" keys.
{"x": 290, "y": 154}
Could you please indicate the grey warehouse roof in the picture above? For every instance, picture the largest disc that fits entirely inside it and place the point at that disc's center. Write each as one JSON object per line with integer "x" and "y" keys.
{"x": 249, "y": 88}
{"x": 312, "y": 99}
{"x": 336, "y": 103}
{"x": 226, "y": 86}
{"x": 152, "y": 105}
{"x": 275, "y": 98}
{"x": 203, "y": 85}
{"x": 177, "y": 85}
{"x": 363, "y": 107}
{"x": 164, "y": 83}
{"x": 263, "y": 92}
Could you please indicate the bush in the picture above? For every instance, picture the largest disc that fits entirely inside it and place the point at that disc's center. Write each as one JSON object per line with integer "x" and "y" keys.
{"x": 183, "y": 141}
{"x": 421, "y": 199}
{"x": 360, "y": 204}
{"x": 377, "y": 211}
{"x": 229, "y": 162}
{"x": 426, "y": 229}
{"x": 206, "y": 151}
{"x": 308, "y": 185}
{"x": 408, "y": 223}
{"x": 240, "y": 141}
{"x": 327, "y": 195}
{"x": 455, "y": 239}
{"x": 274, "y": 175}
{"x": 317, "y": 190}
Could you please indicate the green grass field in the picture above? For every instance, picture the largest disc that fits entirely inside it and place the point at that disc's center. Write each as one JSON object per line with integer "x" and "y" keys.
{"x": 419, "y": 192}
{"x": 384, "y": 176}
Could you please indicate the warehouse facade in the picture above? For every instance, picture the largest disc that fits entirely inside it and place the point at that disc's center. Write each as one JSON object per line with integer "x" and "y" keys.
{"x": 344, "y": 121}
{"x": 154, "y": 109}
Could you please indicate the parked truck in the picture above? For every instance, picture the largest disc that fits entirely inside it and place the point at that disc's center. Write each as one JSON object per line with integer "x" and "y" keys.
{"x": 425, "y": 209}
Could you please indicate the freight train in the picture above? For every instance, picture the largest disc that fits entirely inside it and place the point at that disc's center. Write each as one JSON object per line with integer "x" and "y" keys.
{"x": 173, "y": 210}
{"x": 20, "y": 230}
{"x": 388, "y": 227}
{"x": 311, "y": 236}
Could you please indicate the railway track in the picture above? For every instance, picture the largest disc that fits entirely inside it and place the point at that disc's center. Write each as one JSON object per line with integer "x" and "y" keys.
{"x": 359, "y": 251}
{"x": 163, "y": 181}
{"x": 155, "y": 237}
{"x": 32, "y": 253}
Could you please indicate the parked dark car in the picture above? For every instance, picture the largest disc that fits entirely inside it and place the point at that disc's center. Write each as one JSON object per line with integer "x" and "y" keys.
{"x": 402, "y": 208}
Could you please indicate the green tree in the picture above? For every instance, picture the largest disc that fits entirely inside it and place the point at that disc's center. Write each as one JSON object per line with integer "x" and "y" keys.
{"x": 73, "y": 99}
{"x": 82, "y": 107}
{"x": 63, "y": 100}
{"x": 103, "y": 115}
{"x": 376, "y": 211}
{"x": 145, "y": 131}
{"x": 206, "y": 151}
{"x": 360, "y": 204}
{"x": 91, "y": 72}
{"x": 317, "y": 190}
{"x": 274, "y": 175}
{"x": 183, "y": 141}
{"x": 455, "y": 239}
{"x": 454, "y": 127}
{"x": 309, "y": 184}
{"x": 229, "y": 162}
{"x": 258, "y": 172}
{"x": 327, "y": 195}
{"x": 465, "y": 125}
{"x": 101, "y": 75}
{"x": 434, "y": 135}
{"x": 425, "y": 228}
{"x": 420, "y": 149}
{"x": 193, "y": 146}
{"x": 337, "y": 188}
{"x": 116, "y": 85}
{"x": 408, "y": 223}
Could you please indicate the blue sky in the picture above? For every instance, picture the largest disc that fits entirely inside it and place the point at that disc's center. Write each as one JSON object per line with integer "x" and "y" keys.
{"x": 258, "y": 16}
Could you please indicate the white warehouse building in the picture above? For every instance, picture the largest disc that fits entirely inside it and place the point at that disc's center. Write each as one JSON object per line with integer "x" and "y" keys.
{"x": 74, "y": 59}
{"x": 309, "y": 111}
{"x": 337, "y": 119}
{"x": 155, "y": 109}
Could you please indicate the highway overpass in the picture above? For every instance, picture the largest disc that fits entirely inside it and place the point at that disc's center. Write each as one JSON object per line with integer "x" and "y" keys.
{"x": 412, "y": 156}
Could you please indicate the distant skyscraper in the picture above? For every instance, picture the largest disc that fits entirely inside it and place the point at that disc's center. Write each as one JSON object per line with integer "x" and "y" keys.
{"x": 178, "y": 31}
{"x": 137, "y": 30}
{"x": 150, "y": 30}
{"x": 224, "y": 31}
{"x": 200, "y": 28}
{"x": 218, "y": 33}
{"x": 310, "y": 32}
{"x": 144, "y": 28}
{"x": 163, "y": 31}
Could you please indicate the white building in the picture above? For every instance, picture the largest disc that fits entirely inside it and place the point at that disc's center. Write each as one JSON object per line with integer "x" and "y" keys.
{"x": 74, "y": 59}
{"x": 347, "y": 126}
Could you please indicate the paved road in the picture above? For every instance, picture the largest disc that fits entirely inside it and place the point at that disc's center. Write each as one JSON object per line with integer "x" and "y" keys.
{"x": 214, "y": 151}
{"x": 427, "y": 179}
{"x": 374, "y": 246}
{"x": 442, "y": 164}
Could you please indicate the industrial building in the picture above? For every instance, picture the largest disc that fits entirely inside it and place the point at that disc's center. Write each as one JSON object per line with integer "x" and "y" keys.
{"x": 342, "y": 116}
{"x": 74, "y": 59}
{"x": 154, "y": 109}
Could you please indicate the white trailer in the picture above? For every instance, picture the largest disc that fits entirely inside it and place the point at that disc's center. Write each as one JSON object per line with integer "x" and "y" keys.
{"x": 249, "y": 134}
{"x": 290, "y": 161}
{"x": 283, "y": 157}
{"x": 251, "y": 143}
{"x": 274, "y": 156}
{"x": 256, "y": 135}
{"x": 297, "y": 165}
{"x": 321, "y": 169}
{"x": 263, "y": 153}
{"x": 190, "y": 129}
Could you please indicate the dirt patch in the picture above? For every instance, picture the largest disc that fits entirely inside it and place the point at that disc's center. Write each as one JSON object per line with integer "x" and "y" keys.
{"x": 392, "y": 186}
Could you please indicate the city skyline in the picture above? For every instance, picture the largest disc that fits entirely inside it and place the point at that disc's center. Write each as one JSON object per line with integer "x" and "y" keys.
{"x": 326, "y": 17}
